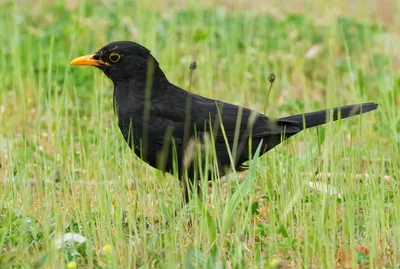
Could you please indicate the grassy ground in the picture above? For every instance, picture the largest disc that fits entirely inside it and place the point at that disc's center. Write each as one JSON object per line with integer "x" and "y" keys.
{"x": 64, "y": 167}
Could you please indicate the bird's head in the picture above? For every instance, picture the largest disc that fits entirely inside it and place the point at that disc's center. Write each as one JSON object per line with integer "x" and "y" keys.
{"x": 122, "y": 61}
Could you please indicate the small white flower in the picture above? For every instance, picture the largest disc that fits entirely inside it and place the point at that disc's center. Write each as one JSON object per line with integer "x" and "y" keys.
{"x": 69, "y": 238}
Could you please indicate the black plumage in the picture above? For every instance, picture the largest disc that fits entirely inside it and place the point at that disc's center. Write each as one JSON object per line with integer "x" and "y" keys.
{"x": 158, "y": 118}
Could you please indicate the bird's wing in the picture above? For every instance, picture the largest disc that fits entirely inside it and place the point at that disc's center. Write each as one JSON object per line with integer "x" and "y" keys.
{"x": 236, "y": 121}
{"x": 180, "y": 116}
{"x": 190, "y": 114}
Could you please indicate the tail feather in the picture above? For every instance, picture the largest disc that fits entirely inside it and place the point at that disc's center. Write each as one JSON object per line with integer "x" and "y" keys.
{"x": 311, "y": 119}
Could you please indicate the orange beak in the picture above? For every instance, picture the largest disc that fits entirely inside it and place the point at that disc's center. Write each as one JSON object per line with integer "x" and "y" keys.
{"x": 88, "y": 60}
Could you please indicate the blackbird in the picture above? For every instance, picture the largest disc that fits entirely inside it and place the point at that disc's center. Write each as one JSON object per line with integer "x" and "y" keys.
{"x": 172, "y": 129}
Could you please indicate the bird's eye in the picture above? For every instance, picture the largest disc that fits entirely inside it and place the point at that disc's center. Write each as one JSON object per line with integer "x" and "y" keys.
{"x": 114, "y": 57}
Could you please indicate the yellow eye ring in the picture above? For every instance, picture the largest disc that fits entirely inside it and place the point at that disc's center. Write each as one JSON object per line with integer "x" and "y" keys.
{"x": 114, "y": 57}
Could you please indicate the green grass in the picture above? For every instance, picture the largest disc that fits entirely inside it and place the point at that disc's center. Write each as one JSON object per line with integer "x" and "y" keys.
{"x": 64, "y": 166}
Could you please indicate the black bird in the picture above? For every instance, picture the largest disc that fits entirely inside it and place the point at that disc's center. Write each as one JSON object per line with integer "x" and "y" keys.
{"x": 160, "y": 121}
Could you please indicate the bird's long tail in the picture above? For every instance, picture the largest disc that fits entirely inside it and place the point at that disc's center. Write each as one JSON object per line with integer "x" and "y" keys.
{"x": 311, "y": 119}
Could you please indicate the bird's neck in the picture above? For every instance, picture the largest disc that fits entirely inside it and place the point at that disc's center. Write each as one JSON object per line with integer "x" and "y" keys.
{"x": 138, "y": 87}
{"x": 130, "y": 95}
